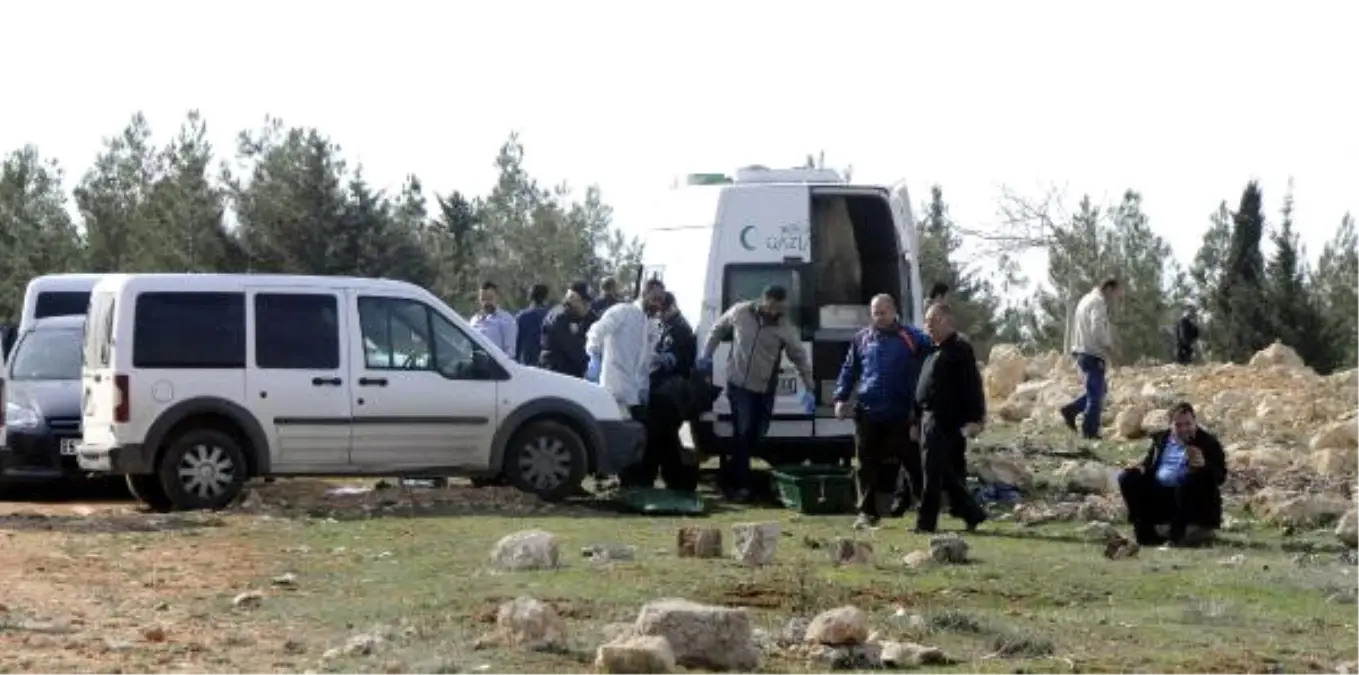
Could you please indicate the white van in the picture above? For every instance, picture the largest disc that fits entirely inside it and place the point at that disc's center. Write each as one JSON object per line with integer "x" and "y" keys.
{"x": 51, "y": 295}
{"x": 718, "y": 240}
{"x": 195, "y": 382}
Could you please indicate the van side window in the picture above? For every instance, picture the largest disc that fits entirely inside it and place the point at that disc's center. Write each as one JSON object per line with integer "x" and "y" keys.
{"x": 747, "y": 282}
{"x": 296, "y": 331}
{"x": 401, "y": 334}
{"x": 189, "y": 330}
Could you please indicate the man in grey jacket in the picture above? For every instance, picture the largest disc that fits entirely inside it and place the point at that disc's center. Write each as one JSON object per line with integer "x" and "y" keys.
{"x": 1093, "y": 344}
{"x": 760, "y": 335}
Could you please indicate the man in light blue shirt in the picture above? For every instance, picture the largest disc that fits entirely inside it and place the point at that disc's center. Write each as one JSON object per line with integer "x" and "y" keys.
{"x": 494, "y": 322}
{"x": 1178, "y": 484}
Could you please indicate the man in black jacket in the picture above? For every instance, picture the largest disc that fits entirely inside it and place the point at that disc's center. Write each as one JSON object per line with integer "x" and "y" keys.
{"x": 563, "y": 334}
{"x": 672, "y": 395}
{"x": 1186, "y": 334}
{"x": 1177, "y": 484}
{"x": 953, "y": 409}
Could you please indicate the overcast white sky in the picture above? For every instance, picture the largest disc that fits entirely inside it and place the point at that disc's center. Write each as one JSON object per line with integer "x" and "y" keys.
{"x": 1184, "y": 101}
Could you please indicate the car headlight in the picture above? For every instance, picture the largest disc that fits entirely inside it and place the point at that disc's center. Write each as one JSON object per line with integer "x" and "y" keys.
{"x": 20, "y": 417}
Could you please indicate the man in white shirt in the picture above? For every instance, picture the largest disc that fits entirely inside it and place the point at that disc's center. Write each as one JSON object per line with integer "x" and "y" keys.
{"x": 622, "y": 345}
{"x": 1092, "y": 343}
{"x": 495, "y": 323}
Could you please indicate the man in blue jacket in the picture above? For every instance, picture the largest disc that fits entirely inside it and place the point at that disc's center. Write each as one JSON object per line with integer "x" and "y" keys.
{"x": 530, "y": 338}
{"x": 882, "y": 367}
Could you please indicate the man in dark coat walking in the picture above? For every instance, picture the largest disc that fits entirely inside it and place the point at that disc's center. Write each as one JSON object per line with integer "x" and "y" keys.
{"x": 672, "y": 396}
{"x": 953, "y": 409}
{"x": 1186, "y": 334}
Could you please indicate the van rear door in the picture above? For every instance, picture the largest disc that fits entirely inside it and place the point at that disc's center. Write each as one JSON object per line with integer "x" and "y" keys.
{"x": 101, "y": 395}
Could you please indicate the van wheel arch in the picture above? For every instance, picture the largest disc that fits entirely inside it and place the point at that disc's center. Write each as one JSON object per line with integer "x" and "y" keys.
{"x": 217, "y": 414}
{"x": 562, "y": 411}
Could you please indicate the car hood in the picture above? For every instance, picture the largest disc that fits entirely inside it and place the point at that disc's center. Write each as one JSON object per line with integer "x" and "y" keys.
{"x": 50, "y": 398}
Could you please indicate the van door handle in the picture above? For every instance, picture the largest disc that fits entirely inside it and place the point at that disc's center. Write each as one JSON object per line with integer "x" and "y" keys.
{"x": 372, "y": 381}
{"x": 324, "y": 381}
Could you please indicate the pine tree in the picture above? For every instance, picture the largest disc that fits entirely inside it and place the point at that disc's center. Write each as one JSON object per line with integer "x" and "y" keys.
{"x": 1336, "y": 288}
{"x": 1242, "y": 324}
{"x": 1295, "y": 319}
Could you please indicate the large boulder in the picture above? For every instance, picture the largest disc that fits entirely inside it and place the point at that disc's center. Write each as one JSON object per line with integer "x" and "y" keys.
{"x": 841, "y": 626}
{"x": 1342, "y": 434}
{"x": 526, "y": 550}
{"x": 754, "y": 544}
{"x": 1087, "y": 477}
{"x": 636, "y": 654}
{"x": 702, "y": 636}
{"x": 1347, "y": 530}
{"x": 1128, "y": 421}
{"x": 1303, "y": 511}
{"x": 1006, "y": 469}
{"x": 529, "y": 623}
{"x": 1004, "y": 371}
{"x": 1277, "y": 354}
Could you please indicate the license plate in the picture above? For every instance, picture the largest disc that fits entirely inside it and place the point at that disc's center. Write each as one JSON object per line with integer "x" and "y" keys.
{"x": 68, "y": 445}
{"x": 787, "y": 386}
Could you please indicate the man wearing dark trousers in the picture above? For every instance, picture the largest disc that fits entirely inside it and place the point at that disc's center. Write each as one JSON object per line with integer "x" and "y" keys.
{"x": 882, "y": 366}
{"x": 671, "y": 397}
{"x": 953, "y": 408}
{"x": 1178, "y": 483}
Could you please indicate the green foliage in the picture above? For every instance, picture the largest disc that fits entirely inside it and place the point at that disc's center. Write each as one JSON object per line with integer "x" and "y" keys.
{"x": 1238, "y": 304}
{"x": 970, "y": 293}
{"x": 297, "y": 207}
{"x": 1337, "y": 298}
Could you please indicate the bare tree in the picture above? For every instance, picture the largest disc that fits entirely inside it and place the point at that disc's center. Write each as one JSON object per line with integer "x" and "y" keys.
{"x": 1025, "y": 224}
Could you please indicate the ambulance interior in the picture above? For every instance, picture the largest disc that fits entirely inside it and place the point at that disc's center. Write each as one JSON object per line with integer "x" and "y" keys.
{"x": 855, "y": 256}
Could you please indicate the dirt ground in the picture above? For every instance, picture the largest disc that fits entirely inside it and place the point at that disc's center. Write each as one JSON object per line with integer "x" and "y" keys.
{"x": 336, "y": 576}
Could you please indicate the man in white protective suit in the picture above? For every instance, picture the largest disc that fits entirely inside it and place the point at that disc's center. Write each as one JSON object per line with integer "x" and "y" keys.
{"x": 622, "y": 348}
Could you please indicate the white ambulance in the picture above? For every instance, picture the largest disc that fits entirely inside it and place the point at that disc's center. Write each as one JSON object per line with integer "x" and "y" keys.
{"x": 716, "y": 240}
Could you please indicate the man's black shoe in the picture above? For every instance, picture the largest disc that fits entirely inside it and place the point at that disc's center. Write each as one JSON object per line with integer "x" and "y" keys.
{"x": 1069, "y": 417}
{"x": 1092, "y": 437}
{"x": 972, "y": 524}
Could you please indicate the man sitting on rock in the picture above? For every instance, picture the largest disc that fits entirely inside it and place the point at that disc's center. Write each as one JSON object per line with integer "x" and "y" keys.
{"x": 1178, "y": 484}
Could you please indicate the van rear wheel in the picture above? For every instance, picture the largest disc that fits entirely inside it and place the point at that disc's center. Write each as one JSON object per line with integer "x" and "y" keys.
{"x": 202, "y": 469}
{"x": 547, "y": 459}
{"x": 146, "y": 489}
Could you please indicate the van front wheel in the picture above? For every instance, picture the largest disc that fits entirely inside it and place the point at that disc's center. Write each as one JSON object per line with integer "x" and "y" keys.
{"x": 547, "y": 459}
{"x": 202, "y": 469}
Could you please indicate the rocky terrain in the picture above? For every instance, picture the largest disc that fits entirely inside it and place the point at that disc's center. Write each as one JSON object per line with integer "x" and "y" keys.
{"x": 1291, "y": 435}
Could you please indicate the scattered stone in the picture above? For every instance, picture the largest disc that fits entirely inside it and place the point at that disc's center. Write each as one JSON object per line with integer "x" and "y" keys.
{"x": 1347, "y": 530}
{"x": 1098, "y": 530}
{"x": 248, "y": 599}
{"x": 850, "y": 552}
{"x": 754, "y": 544}
{"x": 918, "y": 560}
{"x": 1277, "y": 354}
{"x": 529, "y": 624}
{"x": 363, "y": 644}
{"x": 699, "y": 542}
{"x": 1088, "y": 477}
{"x": 911, "y": 655}
{"x": 1307, "y": 511}
{"x": 1004, "y": 470}
{"x": 285, "y": 580}
{"x": 636, "y": 654}
{"x": 1119, "y": 547}
{"x": 838, "y": 627}
{"x": 1234, "y": 561}
{"x": 1347, "y": 668}
{"x": 867, "y": 656}
{"x": 154, "y": 634}
{"x": 526, "y": 550}
{"x": 702, "y": 636}
{"x": 949, "y": 549}
{"x": 602, "y": 553}
{"x": 1005, "y": 370}
{"x": 794, "y": 631}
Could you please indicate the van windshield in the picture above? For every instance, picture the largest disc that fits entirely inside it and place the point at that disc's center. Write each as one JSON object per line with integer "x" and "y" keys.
{"x": 48, "y": 354}
{"x": 61, "y": 303}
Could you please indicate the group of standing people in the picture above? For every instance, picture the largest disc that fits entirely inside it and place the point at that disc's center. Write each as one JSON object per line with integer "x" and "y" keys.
{"x": 642, "y": 351}
{"x": 918, "y": 397}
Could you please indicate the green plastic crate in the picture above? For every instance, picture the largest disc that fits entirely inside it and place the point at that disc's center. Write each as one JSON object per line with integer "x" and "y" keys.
{"x": 815, "y": 489}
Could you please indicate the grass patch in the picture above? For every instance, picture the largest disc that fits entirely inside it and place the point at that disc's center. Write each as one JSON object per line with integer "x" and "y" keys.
{"x": 1031, "y": 603}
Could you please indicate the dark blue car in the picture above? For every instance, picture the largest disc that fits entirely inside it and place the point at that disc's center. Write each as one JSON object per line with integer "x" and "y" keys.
{"x": 42, "y": 402}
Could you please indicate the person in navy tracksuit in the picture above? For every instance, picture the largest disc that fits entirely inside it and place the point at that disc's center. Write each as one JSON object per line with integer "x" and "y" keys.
{"x": 882, "y": 366}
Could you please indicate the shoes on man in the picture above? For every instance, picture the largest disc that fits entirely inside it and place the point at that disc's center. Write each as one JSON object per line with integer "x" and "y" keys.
{"x": 1069, "y": 417}
{"x": 865, "y": 522}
